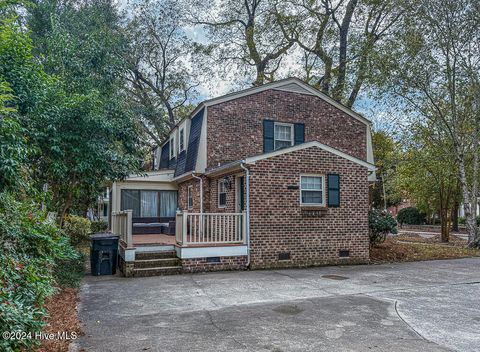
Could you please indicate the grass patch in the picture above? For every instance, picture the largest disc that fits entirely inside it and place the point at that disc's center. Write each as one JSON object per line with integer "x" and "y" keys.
{"x": 394, "y": 251}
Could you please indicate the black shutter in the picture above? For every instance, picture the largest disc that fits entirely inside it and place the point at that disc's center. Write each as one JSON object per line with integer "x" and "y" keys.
{"x": 268, "y": 131}
{"x": 299, "y": 133}
{"x": 333, "y": 190}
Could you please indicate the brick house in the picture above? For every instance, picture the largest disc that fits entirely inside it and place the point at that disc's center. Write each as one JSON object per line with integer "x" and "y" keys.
{"x": 271, "y": 176}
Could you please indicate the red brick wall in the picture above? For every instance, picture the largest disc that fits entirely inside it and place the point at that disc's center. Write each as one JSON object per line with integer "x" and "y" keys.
{"x": 278, "y": 223}
{"x": 231, "y": 196}
{"x": 183, "y": 191}
{"x": 226, "y": 263}
{"x": 210, "y": 196}
{"x": 235, "y": 128}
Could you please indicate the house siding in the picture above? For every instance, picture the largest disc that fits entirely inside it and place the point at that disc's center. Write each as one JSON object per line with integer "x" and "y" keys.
{"x": 235, "y": 128}
{"x": 279, "y": 225}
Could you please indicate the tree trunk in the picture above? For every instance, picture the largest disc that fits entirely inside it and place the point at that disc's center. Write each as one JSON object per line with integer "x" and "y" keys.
{"x": 454, "y": 215}
{"x": 445, "y": 225}
{"x": 342, "y": 66}
{"x": 468, "y": 202}
{"x": 66, "y": 205}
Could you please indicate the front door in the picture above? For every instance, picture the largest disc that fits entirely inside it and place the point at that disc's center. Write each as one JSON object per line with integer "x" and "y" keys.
{"x": 240, "y": 194}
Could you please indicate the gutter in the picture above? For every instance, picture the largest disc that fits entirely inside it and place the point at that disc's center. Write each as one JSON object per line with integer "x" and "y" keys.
{"x": 247, "y": 185}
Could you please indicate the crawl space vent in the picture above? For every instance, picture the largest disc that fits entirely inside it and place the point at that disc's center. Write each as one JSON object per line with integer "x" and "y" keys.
{"x": 284, "y": 256}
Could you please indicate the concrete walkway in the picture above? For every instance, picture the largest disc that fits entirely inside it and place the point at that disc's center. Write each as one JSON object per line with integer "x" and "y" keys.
{"x": 427, "y": 306}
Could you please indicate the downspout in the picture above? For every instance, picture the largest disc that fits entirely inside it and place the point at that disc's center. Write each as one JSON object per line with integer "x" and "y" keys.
{"x": 201, "y": 191}
{"x": 247, "y": 185}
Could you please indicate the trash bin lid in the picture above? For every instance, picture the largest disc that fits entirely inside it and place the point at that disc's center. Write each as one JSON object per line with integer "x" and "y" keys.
{"x": 104, "y": 236}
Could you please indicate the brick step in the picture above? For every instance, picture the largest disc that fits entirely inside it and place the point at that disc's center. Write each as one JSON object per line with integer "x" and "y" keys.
{"x": 157, "y": 263}
{"x": 155, "y": 255}
{"x": 166, "y": 270}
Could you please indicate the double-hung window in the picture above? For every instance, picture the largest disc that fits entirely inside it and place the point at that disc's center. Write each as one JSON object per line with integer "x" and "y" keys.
{"x": 172, "y": 146}
{"x": 190, "y": 197}
{"x": 283, "y": 135}
{"x": 222, "y": 194}
{"x": 312, "y": 190}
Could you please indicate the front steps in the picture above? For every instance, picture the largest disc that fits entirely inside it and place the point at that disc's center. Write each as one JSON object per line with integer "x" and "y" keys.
{"x": 156, "y": 264}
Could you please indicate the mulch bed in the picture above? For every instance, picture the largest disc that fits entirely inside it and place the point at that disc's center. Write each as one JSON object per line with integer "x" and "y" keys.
{"x": 63, "y": 317}
{"x": 393, "y": 250}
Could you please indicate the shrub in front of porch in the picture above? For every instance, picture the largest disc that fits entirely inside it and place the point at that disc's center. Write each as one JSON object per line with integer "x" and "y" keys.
{"x": 78, "y": 229}
{"x": 99, "y": 226}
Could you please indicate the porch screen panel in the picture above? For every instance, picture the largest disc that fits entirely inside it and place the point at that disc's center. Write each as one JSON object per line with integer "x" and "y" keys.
{"x": 168, "y": 203}
{"x": 149, "y": 204}
{"x": 131, "y": 200}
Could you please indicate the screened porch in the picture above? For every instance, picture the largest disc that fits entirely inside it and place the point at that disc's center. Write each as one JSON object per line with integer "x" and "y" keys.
{"x": 153, "y": 211}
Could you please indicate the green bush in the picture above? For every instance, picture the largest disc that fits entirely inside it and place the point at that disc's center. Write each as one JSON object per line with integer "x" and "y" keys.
{"x": 99, "y": 226}
{"x": 30, "y": 248}
{"x": 381, "y": 223}
{"x": 69, "y": 272}
{"x": 78, "y": 229}
{"x": 410, "y": 216}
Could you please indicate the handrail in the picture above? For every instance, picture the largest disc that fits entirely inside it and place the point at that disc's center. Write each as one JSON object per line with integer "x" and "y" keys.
{"x": 210, "y": 228}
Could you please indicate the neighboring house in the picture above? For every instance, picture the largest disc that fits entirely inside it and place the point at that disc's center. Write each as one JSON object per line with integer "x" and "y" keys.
{"x": 461, "y": 210}
{"x": 394, "y": 209}
{"x": 271, "y": 176}
{"x": 103, "y": 207}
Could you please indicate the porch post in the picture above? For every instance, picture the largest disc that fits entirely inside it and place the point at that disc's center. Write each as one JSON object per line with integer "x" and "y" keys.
{"x": 179, "y": 226}
{"x": 184, "y": 227}
{"x": 129, "y": 228}
{"x": 113, "y": 222}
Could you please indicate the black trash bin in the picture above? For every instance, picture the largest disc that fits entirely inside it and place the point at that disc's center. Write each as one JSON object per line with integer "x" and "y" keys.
{"x": 103, "y": 253}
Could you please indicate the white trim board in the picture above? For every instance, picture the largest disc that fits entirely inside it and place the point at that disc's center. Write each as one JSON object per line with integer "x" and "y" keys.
{"x": 207, "y": 252}
{"x": 294, "y": 148}
{"x": 251, "y": 160}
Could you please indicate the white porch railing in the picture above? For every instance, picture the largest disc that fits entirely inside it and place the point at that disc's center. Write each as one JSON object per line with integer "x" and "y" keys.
{"x": 210, "y": 228}
{"x": 122, "y": 226}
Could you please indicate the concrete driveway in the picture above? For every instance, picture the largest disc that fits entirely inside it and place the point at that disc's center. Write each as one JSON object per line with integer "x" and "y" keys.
{"x": 428, "y": 306}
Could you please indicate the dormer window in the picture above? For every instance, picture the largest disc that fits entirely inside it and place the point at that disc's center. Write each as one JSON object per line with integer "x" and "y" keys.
{"x": 283, "y": 135}
{"x": 172, "y": 146}
{"x": 181, "y": 140}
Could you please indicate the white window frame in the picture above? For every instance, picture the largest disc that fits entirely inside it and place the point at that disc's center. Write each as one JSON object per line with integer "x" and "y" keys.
{"x": 172, "y": 146}
{"x": 292, "y": 132}
{"x": 190, "y": 197}
{"x": 220, "y": 183}
{"x": 181, "y": 140}
{"x": 323, "y": 203}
